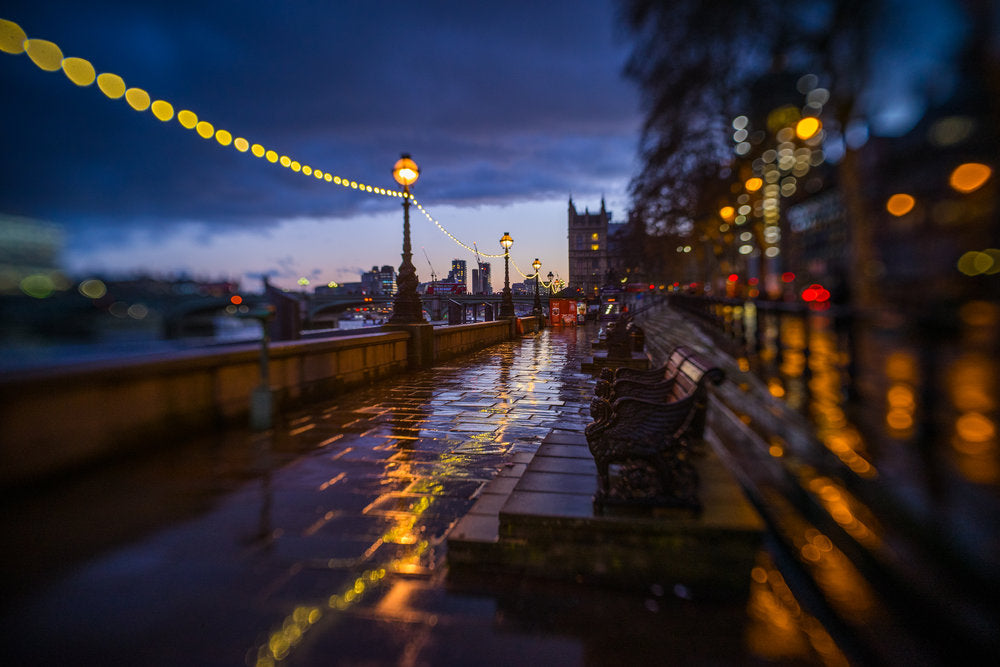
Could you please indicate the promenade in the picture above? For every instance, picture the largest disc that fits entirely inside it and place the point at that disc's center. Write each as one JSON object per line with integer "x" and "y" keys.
{"x": 324, "y": 541}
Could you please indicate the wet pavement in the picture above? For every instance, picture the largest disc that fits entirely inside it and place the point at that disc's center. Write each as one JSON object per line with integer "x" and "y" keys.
{"x": 324, "y": 542}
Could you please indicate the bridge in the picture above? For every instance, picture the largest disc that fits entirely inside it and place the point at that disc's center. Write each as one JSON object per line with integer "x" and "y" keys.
{"x": 436, "y": 305}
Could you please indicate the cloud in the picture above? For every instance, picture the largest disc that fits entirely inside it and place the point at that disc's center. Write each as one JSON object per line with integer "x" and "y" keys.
{"x": 500, "y": 105}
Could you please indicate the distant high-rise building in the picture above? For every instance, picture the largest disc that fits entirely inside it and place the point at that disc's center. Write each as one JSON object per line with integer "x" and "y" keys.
{"x": 592, "y": 248}
{"x": 379, "y": 281}
{"x": 481, "y": 279}
{"x": 458, "y": 272}
{"x": 486, "y": 274}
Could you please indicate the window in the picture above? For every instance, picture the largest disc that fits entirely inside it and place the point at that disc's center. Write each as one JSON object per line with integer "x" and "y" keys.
{"x": 594, "y": 236}
{"x": 594, "y": 246}
{"x": 579, "y": 241}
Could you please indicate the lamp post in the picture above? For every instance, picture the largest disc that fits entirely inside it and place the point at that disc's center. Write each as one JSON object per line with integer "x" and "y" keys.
{"x": 507, "y": 303}
{"x": 406, "y": 307}
{"x": 537, "y": 309}
{"x": 552, "y": 286}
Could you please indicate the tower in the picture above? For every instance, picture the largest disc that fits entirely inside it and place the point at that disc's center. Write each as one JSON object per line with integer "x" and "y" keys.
{"x": 588, "y": 251}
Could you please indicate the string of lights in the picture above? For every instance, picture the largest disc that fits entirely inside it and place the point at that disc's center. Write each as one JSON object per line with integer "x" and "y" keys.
{"x": 529, "y": 276}
{"x": 447, "y": 233}
{"x": 48, "y": 56}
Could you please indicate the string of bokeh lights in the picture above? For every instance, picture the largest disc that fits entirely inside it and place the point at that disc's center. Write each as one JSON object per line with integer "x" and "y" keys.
{"x": 48, "y": 56}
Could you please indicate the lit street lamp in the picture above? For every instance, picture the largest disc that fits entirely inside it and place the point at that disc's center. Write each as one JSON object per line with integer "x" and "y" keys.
{"x": 537, "y": 309}
{"x": 552, "y": 287}
{"x": 406, "y": 307}
{"x": 507, "y": 303}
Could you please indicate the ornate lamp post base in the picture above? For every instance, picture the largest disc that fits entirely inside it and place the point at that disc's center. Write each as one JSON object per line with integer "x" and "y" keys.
{"x": 507, "y": 304}
{"x": 536, "y": 309}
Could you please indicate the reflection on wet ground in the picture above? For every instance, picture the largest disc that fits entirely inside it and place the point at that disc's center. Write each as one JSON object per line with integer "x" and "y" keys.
{"x": 323, "y": 542}
{"x": 879, "y": 473}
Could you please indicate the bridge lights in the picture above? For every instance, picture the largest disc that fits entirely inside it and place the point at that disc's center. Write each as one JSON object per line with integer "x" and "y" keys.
{"x": 507, "y": 302}
{"x": 406, "y": 308}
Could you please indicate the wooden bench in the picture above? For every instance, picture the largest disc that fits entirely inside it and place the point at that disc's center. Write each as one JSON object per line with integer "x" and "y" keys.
{"x": 623, "y": 381}
{"x": 644, "y": 439}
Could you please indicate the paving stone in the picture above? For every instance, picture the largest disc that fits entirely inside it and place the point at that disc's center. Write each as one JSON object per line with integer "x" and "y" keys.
{"x": 574, "y": 451}
{"x": 558, "y": 482}
{"x": 583, "y": 466}
{"x": 545, "y": 504}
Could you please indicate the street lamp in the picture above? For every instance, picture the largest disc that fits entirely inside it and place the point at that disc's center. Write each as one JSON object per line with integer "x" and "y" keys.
{"x": 406, "y": 307}
{"x": 537, "y": 310}
{"x": 552, "y": 287}
{"x": 507, "y": 303}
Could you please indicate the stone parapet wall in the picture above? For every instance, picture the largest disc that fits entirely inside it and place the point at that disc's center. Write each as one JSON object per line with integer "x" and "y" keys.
{"x": 462, "y": 338}
{"x": 54, "y": 420}
{"x": 57, "y": 419}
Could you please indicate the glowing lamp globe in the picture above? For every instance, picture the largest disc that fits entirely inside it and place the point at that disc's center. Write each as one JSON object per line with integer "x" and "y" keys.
{"x": 506, "y": 241}
{"x": 405, "y": 171}
{"x": 536, "y": 265}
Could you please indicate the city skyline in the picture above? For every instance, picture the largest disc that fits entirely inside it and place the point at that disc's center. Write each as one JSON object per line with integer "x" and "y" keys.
{"x": 502, "y": 143}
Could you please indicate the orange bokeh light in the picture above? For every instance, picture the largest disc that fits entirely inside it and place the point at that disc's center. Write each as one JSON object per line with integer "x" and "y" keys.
{"x": 807, "y": 127}
{"x": 900, "y": 204}
{"x": 969, "y": 177}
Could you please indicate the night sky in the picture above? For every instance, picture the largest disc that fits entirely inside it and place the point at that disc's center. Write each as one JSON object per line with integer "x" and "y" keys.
{"x": 508, "y": 108}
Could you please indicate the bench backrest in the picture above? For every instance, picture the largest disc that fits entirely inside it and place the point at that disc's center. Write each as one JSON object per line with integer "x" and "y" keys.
{"x": 676, "y": 358}
{"x": 693, "y": 376}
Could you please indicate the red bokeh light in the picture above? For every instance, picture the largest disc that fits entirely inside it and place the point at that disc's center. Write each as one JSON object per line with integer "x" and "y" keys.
{"x": 816, "y": 293}
{"x": 787, "y": 277}
{"x": 236, "y": 299}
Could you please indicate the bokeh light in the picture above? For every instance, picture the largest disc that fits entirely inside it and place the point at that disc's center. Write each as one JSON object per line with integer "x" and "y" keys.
{"x": 974, "y": 262}
{"x": 137, "y": 98}
{"x": 969, "y": 177}
{"x": 187, "y": 119}
{"x": 11, "y": 37}
{"x": 79, "y": 71}
{"x": 162, "y": 110}
{"x": 112, "y": 85}
{"x": 900, "y": 204}
{"x": 92, "y": 288}
{"x": 807, "y": 127}
{"x": 45, "y": 54}
{"x": 38, "y": 285}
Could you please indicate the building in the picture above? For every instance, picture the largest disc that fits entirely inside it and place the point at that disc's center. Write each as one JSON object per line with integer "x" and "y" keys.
{"x": 29, "y": 249}
{"x": 593, "y": 250}
{"x": 458, "y": 273}
{"x": 481, "y": 279}
{"x": 379, "y": 281}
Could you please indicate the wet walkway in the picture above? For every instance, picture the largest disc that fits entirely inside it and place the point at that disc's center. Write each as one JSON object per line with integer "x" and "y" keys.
{"x": 323, "y": 542}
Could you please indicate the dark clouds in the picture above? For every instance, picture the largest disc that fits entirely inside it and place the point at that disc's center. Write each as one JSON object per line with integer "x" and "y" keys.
{"x": 496, "y": 101}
